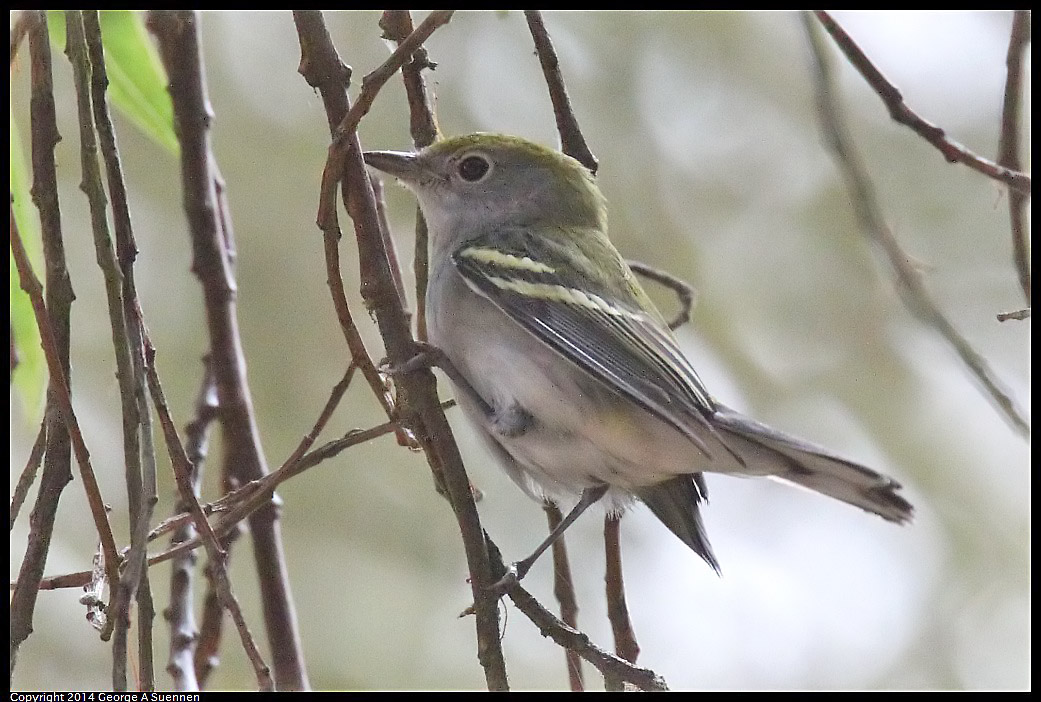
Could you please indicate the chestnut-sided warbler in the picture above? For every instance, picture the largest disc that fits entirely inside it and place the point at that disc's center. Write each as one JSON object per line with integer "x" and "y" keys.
{"x": 562, "y": 362}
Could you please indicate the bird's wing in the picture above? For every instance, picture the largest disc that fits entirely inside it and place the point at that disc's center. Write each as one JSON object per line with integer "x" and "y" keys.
{"x": 594, "y": 318}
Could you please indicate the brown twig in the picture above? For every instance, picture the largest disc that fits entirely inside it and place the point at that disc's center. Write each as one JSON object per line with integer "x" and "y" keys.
{"x": 28, "y": 474}
{"x": 18, "y": 31}
{"x": 571, "y": 140}
{"x": 345, "y": 132}
{"x": 902, "y": 114}
{"x": 126, "y": 251}
{"x": 180, "y": 613}
{"x": 564, "y": 591}
{"x": 52, "y": 320}
{"x": 324, "y": 72}
{"x": 610, "y": 666}
{"x": 417, "y": 390}
{"x": 239, "y": 504}
{"x": 685, "y": 292}
{"x": 397, "y": 26}
{"x": 625, "y": 644}
{"x": 868, "y": 211}
{"x": 91, "y": 185}
{"x": 181, "y": 53}
{"x": 182, "y": 472}
{"x": 31, "y": 285}
{"x": 1008, "y": 145}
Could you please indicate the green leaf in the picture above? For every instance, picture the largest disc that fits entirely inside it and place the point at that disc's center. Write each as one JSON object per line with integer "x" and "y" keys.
{"x": 30, "y": 377}
{"x": 137, "y": 82}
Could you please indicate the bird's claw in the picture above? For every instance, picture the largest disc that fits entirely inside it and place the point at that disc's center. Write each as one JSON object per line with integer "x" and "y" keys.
{"x": 427, "y": 356}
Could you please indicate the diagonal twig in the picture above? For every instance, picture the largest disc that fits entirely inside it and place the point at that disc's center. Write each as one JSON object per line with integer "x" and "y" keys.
{"x": 572, "y": 142}
{"x": 868, "y": 211}
{"x": 901, "y": 113}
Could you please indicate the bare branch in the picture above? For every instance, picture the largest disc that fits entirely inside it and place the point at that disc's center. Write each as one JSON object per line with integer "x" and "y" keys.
{"x": 397, "y": 26}
{"x": 909, "y": 282}
{"x": 685, "y": 292}
{"x": 183, "y": 473}
{"x": 52, "y": 319}
{"x": 28, "y": 474}
{"x": 572, "y": 142}
{"x": 126, "y": 251}
{"x": 609, "y": 665}
{"x": 417, "y": 390}
{"x": 564, "y": 591}
{"x": 625, "y": 644}
{"x": 901, "y": 113}
{"x": 181, "y": 53}
{"x": 1008, "y": 145}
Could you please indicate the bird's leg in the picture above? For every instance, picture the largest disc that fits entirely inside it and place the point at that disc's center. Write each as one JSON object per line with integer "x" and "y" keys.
{"x": 518, "y": 570}
{"x": 429, "y": 356}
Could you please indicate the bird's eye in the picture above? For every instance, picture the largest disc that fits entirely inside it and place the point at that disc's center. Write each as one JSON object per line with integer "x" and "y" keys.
{"x": 473, "y": 168}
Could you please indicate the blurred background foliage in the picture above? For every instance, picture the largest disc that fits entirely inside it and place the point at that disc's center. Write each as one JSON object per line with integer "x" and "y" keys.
{"x": 712, "y": 162}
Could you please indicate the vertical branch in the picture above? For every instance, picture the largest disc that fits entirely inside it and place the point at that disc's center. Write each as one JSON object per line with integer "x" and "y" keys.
{"x": 180, "y": 614}
{"x": 1008, "y": 145}
{"x": 617, "y": 610}
{"x": 91, "y": 185}
{"x": 324, "y": 71}
{"x": 57, "y": 466}
{"x": 28, "y": 475}
{"x": 564, "y": 591}
{"x": 63, "y": 409}
{"x": 181, "y": 53}
{"x": 396, "y": 26}
{"x": 182, "y": 473}
{"x": 417, "y": 390}
{"x": 126, "y": 252}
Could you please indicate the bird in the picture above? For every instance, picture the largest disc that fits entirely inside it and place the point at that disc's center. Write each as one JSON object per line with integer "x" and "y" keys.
{"x": 562, "y": 363}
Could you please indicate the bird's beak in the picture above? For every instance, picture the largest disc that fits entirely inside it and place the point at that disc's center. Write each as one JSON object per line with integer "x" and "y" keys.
{"x": 403, "y": 166}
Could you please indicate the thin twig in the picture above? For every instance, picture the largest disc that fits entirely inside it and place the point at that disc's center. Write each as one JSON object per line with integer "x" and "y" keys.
{"x": 31, "y": 285}
{"x": 609, "y": 665}
{"x": 239, "y": 504}
{"x": 52, "y": 320}
{"x": 28, "y": 474}
{"x": 902, "y": 114}
{"x": 571, "y": 140}
{"x": 417, "y": 390}
{"x": 371, "y": 85}
{"x": 91, "y": 185}
{"x": 909, "y": 281}
{"x": 564, "y": 591}
{"x": 181, "y": 52}
{"x": 397, "y": 26}
{"x": 182, "y": 472}
{"x": 625, "y": 644}
{"x": 685, "y": 292}
{"x": 324, "y": 72}
{"x": 180, "y": 613}
{"x": 1008, "y": 145}
{"x": 126, "y": 251}
{"x": 1017, "y": 315}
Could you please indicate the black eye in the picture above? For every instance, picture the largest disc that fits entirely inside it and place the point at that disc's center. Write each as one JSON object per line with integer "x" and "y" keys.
{"x": 473, "y": 168}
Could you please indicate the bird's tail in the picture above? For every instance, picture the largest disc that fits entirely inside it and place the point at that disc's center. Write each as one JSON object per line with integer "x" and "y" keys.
{"x": 767, "y": 451}
{"x": 676, "y": 503}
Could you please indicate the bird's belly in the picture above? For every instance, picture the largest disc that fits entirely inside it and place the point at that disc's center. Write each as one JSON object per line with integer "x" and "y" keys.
{"x": 578, "y": 433}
